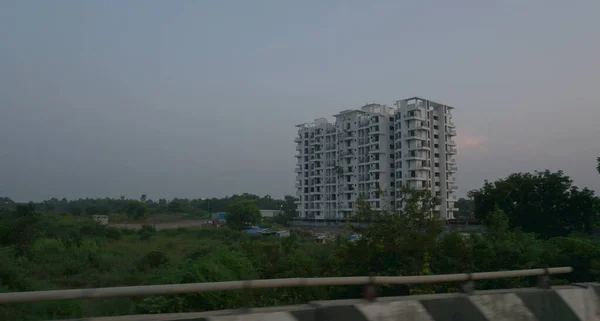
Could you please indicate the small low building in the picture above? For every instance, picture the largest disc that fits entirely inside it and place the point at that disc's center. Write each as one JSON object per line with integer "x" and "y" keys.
{"x": 278, "y": 234}
{"x": 102, "y": 219}
{"x": 283, "y": 233}
{"x": 270, "y": 213}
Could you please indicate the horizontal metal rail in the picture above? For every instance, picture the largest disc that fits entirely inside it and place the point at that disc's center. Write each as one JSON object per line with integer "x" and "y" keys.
{"x": 146, "y": 290}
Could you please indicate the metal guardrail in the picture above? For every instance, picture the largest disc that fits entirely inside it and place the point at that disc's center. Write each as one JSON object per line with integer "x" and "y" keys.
{"x": 146, "y": 290}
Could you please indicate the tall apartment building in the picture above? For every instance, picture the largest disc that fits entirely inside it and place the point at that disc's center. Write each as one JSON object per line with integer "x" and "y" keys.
{"x": 373, "y": 151}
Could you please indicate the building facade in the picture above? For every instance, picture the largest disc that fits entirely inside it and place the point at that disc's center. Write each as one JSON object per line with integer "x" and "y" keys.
{"x": 373, "y": 151}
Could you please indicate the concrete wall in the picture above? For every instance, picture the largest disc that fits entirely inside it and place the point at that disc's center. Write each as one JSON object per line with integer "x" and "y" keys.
{"x": 269, "y": 213}
{"x": 566, "y": 303}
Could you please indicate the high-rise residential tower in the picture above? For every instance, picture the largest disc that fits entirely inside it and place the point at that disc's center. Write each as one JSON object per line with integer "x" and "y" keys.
{"x": 373, "y": 151}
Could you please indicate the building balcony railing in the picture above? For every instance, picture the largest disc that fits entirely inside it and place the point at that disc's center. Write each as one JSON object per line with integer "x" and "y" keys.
{"x": 414, "y": 117}
{"x": 416, "y": 156}
{"x": 414, "y": 136}
{"x": 419, "y": 147}
{"x": 421, "y": 166}
{"x": 416, "y": 178}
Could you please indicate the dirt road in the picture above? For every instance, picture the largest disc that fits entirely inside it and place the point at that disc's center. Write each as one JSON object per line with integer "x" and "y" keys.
{"x": 161, "y": 225}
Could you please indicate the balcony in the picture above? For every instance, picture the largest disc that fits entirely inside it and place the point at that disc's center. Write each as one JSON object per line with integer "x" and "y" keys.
{"x": 419, "y": 147}
{"x": 421, "y": 167}
{"x": 452, "y": 132}
{"x": 452, "y": 168}
{"x": 452, "y": 150}
{"x": 416, "y": 156}
{"x": 414, "y": 117}
{"x": 415, "y": 136}
{"x": 298, "y": 139}
{"x": 416, "y": 178}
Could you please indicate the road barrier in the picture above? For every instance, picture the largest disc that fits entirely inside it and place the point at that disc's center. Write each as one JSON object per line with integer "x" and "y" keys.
{"x": 369, "y": 281}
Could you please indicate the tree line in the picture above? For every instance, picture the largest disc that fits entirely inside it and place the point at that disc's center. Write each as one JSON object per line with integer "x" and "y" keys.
{"x": 139, "y": 208}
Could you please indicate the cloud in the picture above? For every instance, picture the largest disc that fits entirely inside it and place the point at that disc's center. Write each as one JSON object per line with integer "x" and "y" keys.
{"x": 467, "y": 141}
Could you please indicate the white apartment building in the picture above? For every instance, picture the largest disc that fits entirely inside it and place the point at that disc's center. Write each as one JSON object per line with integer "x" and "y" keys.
{"x": 373, "y": 151}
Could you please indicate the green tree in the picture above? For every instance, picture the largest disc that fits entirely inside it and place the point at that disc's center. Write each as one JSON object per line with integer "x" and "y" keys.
{"x": 6, "y": 201}
{"x": 242, "y": 214}
{"x": 175, "y": 206}
{"x": 543, "y": 202}
{"x": 598, "y": 165}
{"x": 136, "y": 209}
{"x": 288, "y": 210}
{"x": 396, "y": 242}
{"x": 465, "y": 208}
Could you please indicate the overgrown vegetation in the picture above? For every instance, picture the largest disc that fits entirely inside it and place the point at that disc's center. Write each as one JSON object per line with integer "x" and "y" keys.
{"x": 42, "y": 251}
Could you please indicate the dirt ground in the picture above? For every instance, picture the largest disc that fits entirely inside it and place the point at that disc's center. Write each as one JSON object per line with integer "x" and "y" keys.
{"x": 160, "y": 225}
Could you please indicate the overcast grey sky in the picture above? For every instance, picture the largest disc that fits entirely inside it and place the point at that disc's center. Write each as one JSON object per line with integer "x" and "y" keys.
{"x": 200, "y": 98}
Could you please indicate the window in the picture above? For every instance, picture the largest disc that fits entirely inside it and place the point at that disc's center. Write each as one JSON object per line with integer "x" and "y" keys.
{"x": 435, "y": 117}
{"x": 437, "y": 174}
{"x": 436, "y": 127}
{"x": 437, "y": 164}
{"x": 436, "y": 136}
{"x": 437, "y": 183}
{"x": 436, "y": 155}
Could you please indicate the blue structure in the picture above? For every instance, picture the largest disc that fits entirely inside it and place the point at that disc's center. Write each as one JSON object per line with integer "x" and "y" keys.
{"x": 256, "y": 231}
{"x": 219, "y": 216}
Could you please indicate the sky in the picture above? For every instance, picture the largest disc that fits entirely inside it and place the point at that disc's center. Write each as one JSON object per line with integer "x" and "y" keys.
{"x": 201, "y": 98}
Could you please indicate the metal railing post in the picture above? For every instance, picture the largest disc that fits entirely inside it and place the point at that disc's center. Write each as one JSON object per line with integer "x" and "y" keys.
{"x": 543, "y": 281}
{"x": 469, "y": 286}
{"x": 370, "y": 289}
